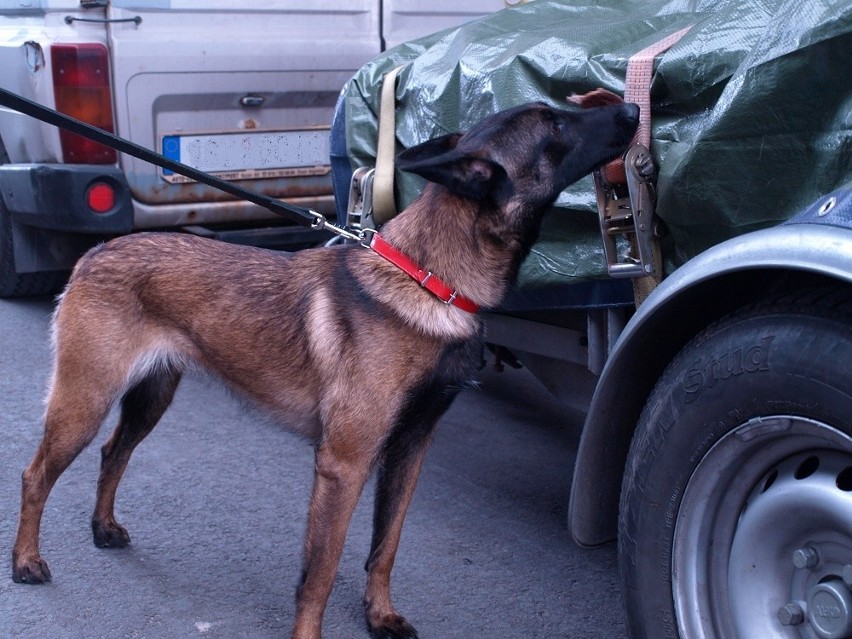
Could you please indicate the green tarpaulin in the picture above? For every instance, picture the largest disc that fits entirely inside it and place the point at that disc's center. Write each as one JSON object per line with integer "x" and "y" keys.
{"x": 752, "y": 109}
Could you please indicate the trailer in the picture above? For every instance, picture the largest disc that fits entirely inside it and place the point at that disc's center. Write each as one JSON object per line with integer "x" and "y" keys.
{"x": 242, "y": 89}
{"x": 717, "y": 444}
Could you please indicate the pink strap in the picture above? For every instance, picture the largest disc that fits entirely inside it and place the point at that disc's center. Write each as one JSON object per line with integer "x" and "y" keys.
{"x": 637, "y": 89}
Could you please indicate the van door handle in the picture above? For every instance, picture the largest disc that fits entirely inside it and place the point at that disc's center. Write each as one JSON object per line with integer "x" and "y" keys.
{"x": 135, "y": 19}
{"x": 252, "y": 100}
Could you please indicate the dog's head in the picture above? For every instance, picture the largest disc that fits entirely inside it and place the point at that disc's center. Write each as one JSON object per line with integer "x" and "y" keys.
{"x": 522, "y": 158}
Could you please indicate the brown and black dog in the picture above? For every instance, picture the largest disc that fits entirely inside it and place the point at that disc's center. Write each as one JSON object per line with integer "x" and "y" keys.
{"x": 336, "y": 343}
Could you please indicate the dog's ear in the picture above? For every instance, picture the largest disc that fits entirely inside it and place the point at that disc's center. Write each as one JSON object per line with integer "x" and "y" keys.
{"x": 438, "y": 161}
{"x": 429, "y": 149}
{"x": 596, "y": 98}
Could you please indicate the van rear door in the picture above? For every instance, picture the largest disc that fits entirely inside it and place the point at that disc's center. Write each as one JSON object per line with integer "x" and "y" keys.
{"x": 405, "y": 20}
{"x": 240, "y": 88}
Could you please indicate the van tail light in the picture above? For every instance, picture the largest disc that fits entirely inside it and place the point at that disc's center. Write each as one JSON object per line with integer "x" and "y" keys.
{"x": 82, "y": 90}
{"x": 100, "y": 197}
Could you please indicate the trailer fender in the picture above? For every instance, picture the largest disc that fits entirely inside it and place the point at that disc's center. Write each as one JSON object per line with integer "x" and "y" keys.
{"x": 813, "y": 248}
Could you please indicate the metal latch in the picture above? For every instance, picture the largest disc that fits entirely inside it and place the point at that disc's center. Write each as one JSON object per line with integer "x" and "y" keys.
{"x": 359, "y": 211}
{"x": 627, "y": 210}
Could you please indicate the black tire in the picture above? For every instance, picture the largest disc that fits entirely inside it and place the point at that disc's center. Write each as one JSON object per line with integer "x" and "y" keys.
{"x": 736, "y": 507}
{"x": 14, "y": 284}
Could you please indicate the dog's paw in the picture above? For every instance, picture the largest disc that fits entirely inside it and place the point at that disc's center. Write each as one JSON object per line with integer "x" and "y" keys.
{"x": 31, "y": 571}
{"x": 109, "y": 534}
{"x": 393, "y": 627}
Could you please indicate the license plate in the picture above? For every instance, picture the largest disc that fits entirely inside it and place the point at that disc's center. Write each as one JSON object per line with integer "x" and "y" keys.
{"x": 247, "y": 155}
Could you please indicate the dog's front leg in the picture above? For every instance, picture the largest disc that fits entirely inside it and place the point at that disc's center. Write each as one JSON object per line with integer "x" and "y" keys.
{"x": 394, "y": 489}
{"x": 340, "y": 476}
{"x": 400, "y": 464}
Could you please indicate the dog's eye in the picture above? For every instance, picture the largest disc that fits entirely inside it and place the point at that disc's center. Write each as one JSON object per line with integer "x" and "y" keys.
{"x": 557, "y": 127}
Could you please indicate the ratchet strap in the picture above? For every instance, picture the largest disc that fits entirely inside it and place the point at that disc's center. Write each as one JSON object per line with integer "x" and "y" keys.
{"x": 637, "y": 89}
{"x": 638, "y": 175}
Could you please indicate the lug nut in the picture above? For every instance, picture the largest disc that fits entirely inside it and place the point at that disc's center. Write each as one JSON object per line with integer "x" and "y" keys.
{"x": 805, "y": 557}
{"x": 791, "y": 614}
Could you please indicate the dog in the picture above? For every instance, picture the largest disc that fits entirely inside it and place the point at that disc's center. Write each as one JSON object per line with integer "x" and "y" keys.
{"x": 337, "y": 343}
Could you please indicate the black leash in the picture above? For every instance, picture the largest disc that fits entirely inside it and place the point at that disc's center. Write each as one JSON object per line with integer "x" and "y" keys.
{"x": 299, "y": 214}
{"x": 367, "y": 238}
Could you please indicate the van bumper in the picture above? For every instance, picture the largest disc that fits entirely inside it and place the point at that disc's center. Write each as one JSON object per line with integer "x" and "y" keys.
{"x": 53, "y": 197}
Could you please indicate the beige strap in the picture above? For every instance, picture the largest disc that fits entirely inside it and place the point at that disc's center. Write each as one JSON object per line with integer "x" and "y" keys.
{"x": 384, "y": 204}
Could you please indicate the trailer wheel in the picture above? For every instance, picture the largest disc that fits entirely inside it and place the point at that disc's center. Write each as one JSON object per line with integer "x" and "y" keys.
{"x": 736, "y": 508}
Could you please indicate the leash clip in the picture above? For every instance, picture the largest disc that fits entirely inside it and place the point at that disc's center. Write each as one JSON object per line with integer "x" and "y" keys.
{"x": 359, "y": 210}
{"x": 320, "y": 223}
{"x": 365, "y": 237}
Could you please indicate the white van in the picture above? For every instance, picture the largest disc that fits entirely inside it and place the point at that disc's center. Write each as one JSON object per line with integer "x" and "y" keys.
{"x": 244, "y": 89}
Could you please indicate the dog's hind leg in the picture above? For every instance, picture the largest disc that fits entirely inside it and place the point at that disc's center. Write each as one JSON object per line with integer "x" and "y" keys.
{"x": 141, "y": 408}
{"x": 75, "y": 411}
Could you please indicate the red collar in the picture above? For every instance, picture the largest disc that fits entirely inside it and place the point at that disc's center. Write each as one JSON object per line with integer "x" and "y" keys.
{"x": 425, "y": 278}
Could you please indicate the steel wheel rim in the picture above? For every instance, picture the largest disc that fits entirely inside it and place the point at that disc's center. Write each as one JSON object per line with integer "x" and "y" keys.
{"x": 732, "y": 564}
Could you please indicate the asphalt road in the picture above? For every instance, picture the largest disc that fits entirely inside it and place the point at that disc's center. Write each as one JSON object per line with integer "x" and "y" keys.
{"x": 215, "y": 501}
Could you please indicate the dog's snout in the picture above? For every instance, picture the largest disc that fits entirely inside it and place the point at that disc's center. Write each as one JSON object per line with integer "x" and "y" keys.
{"x": 631, "y": 112}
